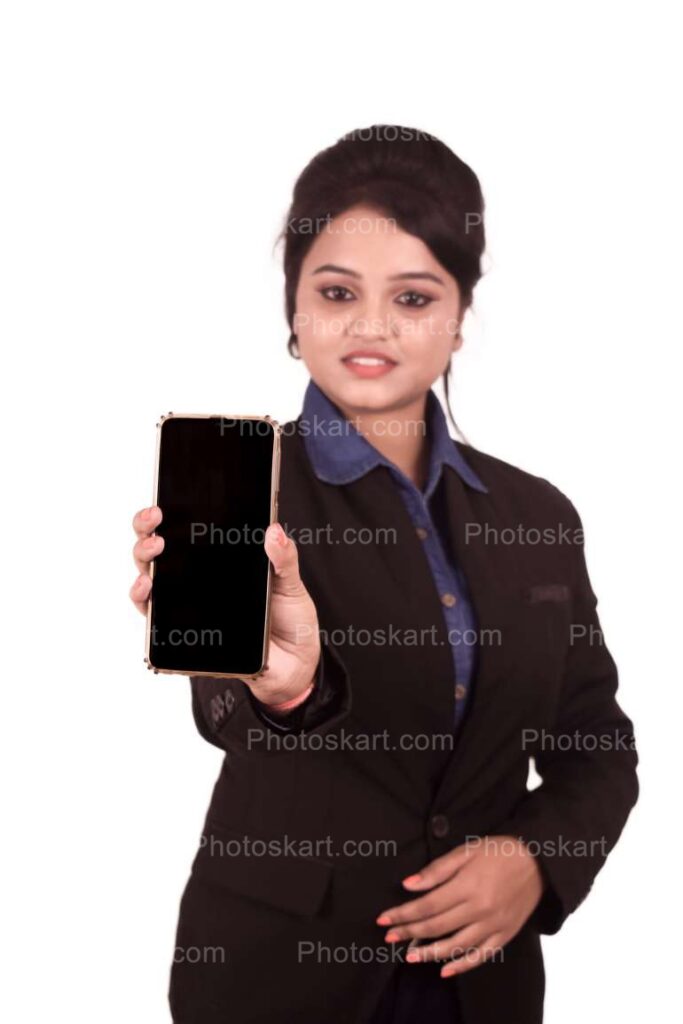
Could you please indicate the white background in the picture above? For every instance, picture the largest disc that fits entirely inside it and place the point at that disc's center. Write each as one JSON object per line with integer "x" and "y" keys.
{"x": 149, "y": 151}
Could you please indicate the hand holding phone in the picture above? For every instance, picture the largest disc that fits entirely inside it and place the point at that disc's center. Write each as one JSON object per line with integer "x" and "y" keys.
{"x": 294, "y": 647}
{"x": 221, "y": 584}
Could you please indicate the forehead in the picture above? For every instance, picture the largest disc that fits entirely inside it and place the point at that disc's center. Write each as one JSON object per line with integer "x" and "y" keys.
{"x": 370, "y": 243}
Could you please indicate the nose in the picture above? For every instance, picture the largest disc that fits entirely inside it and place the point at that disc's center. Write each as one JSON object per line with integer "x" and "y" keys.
{"x": 371, "y": 321}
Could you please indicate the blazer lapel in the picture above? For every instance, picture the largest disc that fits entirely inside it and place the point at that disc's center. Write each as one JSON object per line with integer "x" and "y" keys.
{"x": 381, "y": 504}
{"x": 486, "y": 567}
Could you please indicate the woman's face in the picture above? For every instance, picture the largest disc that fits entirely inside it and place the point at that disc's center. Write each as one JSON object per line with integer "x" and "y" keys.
{"x": 377, "y": 315}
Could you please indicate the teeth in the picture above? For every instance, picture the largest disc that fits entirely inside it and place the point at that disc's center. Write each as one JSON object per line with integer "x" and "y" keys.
{"x": 368, "y": 361}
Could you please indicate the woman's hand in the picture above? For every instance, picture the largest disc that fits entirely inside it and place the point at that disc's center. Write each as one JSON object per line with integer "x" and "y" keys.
{"x": 294, "y": 648}
{"x": 480, "y": 896}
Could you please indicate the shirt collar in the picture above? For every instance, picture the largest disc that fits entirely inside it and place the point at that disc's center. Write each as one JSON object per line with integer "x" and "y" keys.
{"x": 339, "y": 454}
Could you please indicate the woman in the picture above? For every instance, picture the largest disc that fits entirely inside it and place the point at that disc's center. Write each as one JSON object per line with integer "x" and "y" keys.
{"x": 371, "y": 851}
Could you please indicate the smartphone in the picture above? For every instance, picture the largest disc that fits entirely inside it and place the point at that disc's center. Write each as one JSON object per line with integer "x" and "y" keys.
{"x": 216, "y": 481}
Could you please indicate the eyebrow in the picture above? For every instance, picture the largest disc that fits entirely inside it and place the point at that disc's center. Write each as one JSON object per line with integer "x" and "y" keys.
{"x": 424, "y": 275}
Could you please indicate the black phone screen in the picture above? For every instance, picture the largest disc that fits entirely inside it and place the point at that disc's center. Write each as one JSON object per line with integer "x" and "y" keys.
{"x": 210, "y": 583}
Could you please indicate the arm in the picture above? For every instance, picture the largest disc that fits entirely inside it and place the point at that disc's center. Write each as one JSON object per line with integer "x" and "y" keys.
{"x": 232, "y": 710}
{"x": 226, "y": 711}
{"x": 573, "y": 820}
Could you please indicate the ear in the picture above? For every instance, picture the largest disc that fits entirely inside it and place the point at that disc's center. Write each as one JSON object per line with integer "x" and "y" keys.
{"x": 457, "y": 340}
{"x": 459, "y": 316}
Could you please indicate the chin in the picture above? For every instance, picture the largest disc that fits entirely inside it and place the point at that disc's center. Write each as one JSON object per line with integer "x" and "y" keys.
{"x": 366, "y": 394}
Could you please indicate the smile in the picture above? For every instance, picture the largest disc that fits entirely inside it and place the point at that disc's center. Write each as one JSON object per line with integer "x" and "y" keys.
{"x": 368, "y": 361}
{"x": 368, "y": 364}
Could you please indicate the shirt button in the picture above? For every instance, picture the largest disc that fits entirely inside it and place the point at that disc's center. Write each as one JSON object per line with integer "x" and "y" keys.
{"x": 448, "y": 599}
{"x": 460, "y": 691}
{"x": 440, "y": 826}
{"x": 422, "y": 533}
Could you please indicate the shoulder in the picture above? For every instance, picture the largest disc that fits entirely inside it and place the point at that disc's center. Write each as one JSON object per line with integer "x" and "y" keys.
{"x": 525, "y": 492}
{"x": 294, "y": 461}
{"x": 291, "y": 440}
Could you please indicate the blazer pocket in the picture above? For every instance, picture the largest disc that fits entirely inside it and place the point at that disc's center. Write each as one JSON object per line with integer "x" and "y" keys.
{"x": 535, "y": 629}
{"x": 547, "y": 592}
{"x": 549, "y": 607}
{"x": 295, "y": 884}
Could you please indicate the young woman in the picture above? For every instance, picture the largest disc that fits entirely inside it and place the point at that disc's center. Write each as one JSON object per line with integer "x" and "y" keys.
{"x": 371, "y": 851}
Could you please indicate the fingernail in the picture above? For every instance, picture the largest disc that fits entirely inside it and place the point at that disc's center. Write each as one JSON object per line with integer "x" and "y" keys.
{"x": 383, "y": 919}
{"x": 412, "y": 880}
{"x": 392, "y": 937}
{"x": 146, "y": 512}
{"x": 412, "y": 956}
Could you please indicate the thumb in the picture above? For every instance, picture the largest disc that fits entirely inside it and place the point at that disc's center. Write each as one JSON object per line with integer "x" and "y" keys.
{"x": 283, "y": 554}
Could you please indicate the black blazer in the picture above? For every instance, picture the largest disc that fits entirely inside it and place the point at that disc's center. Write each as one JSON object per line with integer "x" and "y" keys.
{"x": 268, "y": 933}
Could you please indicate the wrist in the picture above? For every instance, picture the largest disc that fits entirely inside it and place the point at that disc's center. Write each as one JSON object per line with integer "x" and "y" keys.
{"x": 284, "y": 704}
{"x": 535, "y": 869}
{"x": 288, "y": 705}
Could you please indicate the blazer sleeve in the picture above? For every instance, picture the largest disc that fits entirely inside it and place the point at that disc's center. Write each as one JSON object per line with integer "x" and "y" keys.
{"x": 589, "y": 782}
{"x": 227, "y": 713}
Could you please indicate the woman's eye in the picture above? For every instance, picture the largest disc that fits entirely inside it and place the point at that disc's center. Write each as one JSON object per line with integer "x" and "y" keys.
{"x": 337, "y": 293}
{"x": 415, "y": 299}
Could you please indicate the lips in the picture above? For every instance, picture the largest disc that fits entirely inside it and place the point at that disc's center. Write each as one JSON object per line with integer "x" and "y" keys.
{"x": 368, "y": 364}
{"x": 364, "y": 357}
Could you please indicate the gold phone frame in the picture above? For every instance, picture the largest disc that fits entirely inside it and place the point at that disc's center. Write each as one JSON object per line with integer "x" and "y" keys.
{"x": 274, "y": 496}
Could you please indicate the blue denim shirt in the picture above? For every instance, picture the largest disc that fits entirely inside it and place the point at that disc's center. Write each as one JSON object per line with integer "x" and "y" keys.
{"x": 339, "y": 454}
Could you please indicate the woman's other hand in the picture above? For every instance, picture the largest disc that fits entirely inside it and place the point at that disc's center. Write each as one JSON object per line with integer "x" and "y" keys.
{"x": 477, "y": 897}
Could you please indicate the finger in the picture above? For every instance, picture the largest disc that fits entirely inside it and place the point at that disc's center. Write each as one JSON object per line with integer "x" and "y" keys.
{"x": 457, "y": 944}
{"x": 486, "y": 951}
{"x": 439, "y": 870}
{"x": 147, "y": 520}
{"x": 435, "y": 902}
{"x": 139, "y": 592}
{"x": 283, "y": 554}
{"x": 146, "y": 550}
{"x": 458, "y": 916}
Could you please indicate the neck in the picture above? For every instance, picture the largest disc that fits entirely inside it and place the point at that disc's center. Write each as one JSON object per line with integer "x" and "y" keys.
{"x": 399, "y": 433}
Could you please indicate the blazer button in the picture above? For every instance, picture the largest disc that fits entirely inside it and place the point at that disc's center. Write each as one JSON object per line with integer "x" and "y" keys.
{"x": 421, "y": 532}
{"x": 460, "y": 691}
{"x": 440, "y": 826}
{"x": 229, "y": 700}
{"x": 217, "y": 709}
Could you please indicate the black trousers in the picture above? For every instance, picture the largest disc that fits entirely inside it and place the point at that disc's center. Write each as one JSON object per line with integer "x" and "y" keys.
{"x": 415, "y": 994}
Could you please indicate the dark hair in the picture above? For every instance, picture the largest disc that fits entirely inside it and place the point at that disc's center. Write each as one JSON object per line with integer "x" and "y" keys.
{"x": 401, "y": 172}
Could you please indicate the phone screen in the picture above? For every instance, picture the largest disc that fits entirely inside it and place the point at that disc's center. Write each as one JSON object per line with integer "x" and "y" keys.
{"x": 210, "y": 583}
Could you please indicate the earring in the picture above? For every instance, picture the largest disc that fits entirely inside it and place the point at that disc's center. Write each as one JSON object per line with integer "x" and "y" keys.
{"x": 293, "y": 346}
